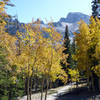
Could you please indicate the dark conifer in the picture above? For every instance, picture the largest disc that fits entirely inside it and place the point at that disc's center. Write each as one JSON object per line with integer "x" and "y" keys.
{"x": 96, "y": 8}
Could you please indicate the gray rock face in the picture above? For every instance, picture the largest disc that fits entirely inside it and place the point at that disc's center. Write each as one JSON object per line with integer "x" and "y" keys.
{"x": 71, "y": 20}
{"x": 75, "y": 17}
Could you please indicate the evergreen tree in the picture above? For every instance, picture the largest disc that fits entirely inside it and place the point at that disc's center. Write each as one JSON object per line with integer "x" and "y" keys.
{"x": 9, "y": 89}
{"x": 67, "y": 50}
{"x": 96, "y": 8}
{"x": 73, "y": 51}
{"x": 67, "y": 46}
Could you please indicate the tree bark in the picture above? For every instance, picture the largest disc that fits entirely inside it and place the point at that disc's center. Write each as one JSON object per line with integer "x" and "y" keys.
{"x": 88, "y": 83}
{"x": 93, "y": 87}
{"x": 9, "y": 98}
{"x": 28, "y": 88}
{"x": 99, "y": 83}
{"x": 42, "y": 86}
{"x": 47, "y": 89}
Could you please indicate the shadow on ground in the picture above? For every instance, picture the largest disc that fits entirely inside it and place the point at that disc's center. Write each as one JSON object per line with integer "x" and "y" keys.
{"x": 79, "y": 94}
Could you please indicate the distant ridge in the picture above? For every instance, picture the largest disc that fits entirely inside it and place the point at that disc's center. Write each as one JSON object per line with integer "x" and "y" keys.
{"x": 71, "y": 20}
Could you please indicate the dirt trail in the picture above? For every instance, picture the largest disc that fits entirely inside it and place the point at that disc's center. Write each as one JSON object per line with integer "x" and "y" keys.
{"x": 52, "y": 93}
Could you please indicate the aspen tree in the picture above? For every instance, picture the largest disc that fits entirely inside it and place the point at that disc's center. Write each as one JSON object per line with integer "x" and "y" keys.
{"x": 83, "y": 43}
{"x": 54, "y": 56}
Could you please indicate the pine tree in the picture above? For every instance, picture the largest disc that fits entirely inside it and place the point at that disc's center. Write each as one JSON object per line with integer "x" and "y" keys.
{"x": 73, "y": 52}
{"x": 96, "y": 8}
{"x": 67, "y": 45}
{"x": 68, "y": 51}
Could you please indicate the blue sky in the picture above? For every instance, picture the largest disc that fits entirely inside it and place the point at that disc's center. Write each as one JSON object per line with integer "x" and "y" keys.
{"x": 47, "y": 9}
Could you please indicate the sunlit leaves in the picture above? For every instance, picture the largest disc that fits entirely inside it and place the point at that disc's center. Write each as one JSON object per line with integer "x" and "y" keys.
{"x": 88, "y": 46}
{"x": 74, "y": 73}
{"x": 82, "y": 42}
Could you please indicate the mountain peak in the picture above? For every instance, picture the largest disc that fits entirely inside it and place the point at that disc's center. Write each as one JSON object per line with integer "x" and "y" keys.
{"x": 74, "y": 17}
